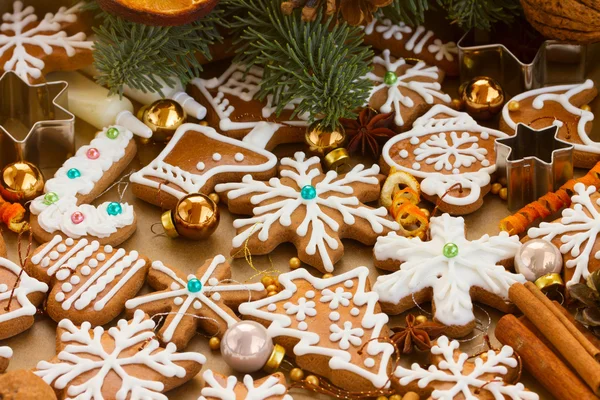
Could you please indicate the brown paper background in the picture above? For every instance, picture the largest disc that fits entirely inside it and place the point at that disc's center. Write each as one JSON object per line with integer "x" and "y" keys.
{"x": 38, "y": 343}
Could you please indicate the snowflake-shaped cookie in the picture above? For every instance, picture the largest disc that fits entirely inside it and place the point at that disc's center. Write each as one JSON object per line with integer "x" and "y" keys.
{"x": 448, "y": 269}
{"x": 309, "y": 208}
{"x": 5, "y": 356}
{"x": 453, "y": 376}
{"x": 18, "y": 307}
{"x": 333, "y": 349}
{"x": 219, "y": 387}
{"x": 409, "y": 90}
{"x": 210, "y": 295}
{"x": 31, "y": 47}
{"x": 576, "y": 234}
{"x": 446, "y": 147}
{"x": 123, "y": 362}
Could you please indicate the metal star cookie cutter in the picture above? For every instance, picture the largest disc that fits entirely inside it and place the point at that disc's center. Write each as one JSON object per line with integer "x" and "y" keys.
{"x": 555, "y": 63}
{"x": 534, "y": 162}
{"x": 35, "y": 125}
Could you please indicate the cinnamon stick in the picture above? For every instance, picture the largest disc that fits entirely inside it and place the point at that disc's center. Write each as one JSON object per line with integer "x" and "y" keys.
{"x": 561, "y": 338}
{"x": 586, "y": 332}
{"x": 541, "y": 362}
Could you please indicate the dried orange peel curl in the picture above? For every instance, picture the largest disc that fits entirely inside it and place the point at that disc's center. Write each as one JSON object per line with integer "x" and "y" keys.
{"x": 548, "y": 204}
{"x": 13, "y": 216}
{"x": 401, "y": 195}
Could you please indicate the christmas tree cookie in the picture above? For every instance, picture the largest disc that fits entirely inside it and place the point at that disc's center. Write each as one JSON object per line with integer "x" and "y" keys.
{"x": 309, "y": 208}
{"x": 448, "y": 270}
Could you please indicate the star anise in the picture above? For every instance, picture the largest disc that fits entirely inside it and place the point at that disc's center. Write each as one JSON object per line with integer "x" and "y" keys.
{"x": 416, "y": 334}
{"x": 369, "y": 130}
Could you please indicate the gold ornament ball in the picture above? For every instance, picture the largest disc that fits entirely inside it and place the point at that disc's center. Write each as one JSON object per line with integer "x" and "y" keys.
{"x": 312, "y": 380}
{"x": 421, "y": 319}
{"x": 21, "y": 181}
{"x": 411, "y": 396}
{"x": 483, "y": 97}
{"x": 322, "y": 140}
{"x": 214, "y": 343}
{"x": 513, "y": 106}
{"x": 457, "y": 104}
{"x": 214, "y": 197}
{"x": 272, "y": 293}
{"x": 503, "y": 193}
{"x": 586, "y": 107}
{"x": 382, "y": 398}
{"x": 327, "y": 276}
{"x": 295, "y": 263}
{"x": 395, "y": 397}
{"x": 195, "y": 216}
{"x": 495, "y": 188}
{"x": 163, "y": 116}
{"x": 271, "y": 288}
{"x": 296, "y": 374}
{"x": 267, "y": 280}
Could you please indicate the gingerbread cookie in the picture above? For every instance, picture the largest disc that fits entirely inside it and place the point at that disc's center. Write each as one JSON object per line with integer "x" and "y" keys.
{"x": 63, "y": 209}
{"x": 195, "y": 160}
{"x": 443, "y": 149}
{"x": 20, "y": 294}
{"x": 220, "y": 387}
{"x": 309, "y": 208}
{"x": 89, "y": 282}
{"x": 418, "y": 42}
{"x": 327, "y": 325}
{"x": 210, "y": 295}
{"x": 560, "y": 106}
{"x": 575, "y": 233}
{"x": 491, "y": 376}
{"x": 123, "y": 362}
{"x": 24, "y": 385}
{"x": 408, "y": 90}
{"x": 232, "y": 106}
{"x": 448, "y": 270}
{"x": 33, "y": 47}
{"x": 5, "y": 356}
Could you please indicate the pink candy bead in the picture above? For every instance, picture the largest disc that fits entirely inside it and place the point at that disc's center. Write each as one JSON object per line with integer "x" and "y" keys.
{"x": 77, "y": 217}
{"x": 93, "y": 153}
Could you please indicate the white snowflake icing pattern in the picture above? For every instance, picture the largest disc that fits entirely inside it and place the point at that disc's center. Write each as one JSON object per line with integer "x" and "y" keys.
{"x": 578, "y": 224}
{"x": 443, "y": 50}
{"x": 396, "y": 99}
{"x": 346, "y": 335}
{"x": 27, "y": 285}
{"x": 45, "y": 35}
{"x": 72, "y": 365}
{"x": 337, "y": 298}
{"x": 439, "y": 151}
{"x": 271, "y": 387}
{"x": 424, "y": 265}
{"x": 289, "y": 198}
{"x": 457, "y": 382}
{"x": 303, "y": 309}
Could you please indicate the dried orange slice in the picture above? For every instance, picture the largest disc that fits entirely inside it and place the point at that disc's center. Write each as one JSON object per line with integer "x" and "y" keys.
{"x": 396, "y": 181}
{"x": 159, "y": 12}
{"x": 412, "y": 221}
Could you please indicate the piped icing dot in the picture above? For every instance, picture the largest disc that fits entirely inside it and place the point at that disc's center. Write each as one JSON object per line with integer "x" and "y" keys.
{"x": 354, "y": 311}
{"x": 63, "y": 274}
{"x": 60, "y": 297}
{"x": 93, "y": 263}
{"x": 213, "y": 281}
{"x": 108, "y": 249}
{"x": 310, "y": 294}
{"x": 334, "y": 316}
{"x": 302, "y": 326}
{"x": 414, "y": 140}
{"x": 200, "y": 166}
{"x": 239, "y": 157}
{"x": 101, "y": 257}
{"x": 53, "y": 255}
{"x": 416, "y": 166}
{"x": 216, "y": 296}
{"x": 178, "y": 301}
{"x": 369, "y": 363}
{"x": 216, "y": 157}
{"x": 349, "y": 284}
{"x": 403, "y": 153}
{"x": 271, "y": 307}
{"x": 61, "y": 248}
{"x": 197, "y": 305}
{"x": 69, "y": 242}
{"x": 66, "y": 287}
{"x": 86, "y": 270}
{"x": 3, "y": 287}
{"x": 75, "y": 280}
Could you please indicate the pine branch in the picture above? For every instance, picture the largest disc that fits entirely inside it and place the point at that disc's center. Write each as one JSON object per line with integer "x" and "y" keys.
{"x": 137, "y": 55}
{"x": 411, "y": 12}
{"x": 303, "y": 60}
{"x": 481, "y": 14}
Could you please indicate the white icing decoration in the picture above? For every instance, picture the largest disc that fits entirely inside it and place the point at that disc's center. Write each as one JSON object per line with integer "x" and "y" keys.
{"x": 459, "y": 381}
{"x": 446, "y": 155}
{"x": 310, "y": 294}
{"x": 69, "y": 242}
{"x": 47, "y": 34}
{"x": 118, "y": 269}
{"x": 578, "y": 225}
{"x": 272, "y": 307}
{"x": 334, "y": 194}
{"x": 6, "y": 352}
{"x": 239, "y": 157}
{"x": 349, "y": 284}
{"x": 443, "y": 50}
{"x": 354, "y": 311}
{"x": 192, "y": 181}
{"x": 409, "y": 82}
{"x": 213, "y": 281}
{"x": 346, "y": 335}
{"x": 423, "y": 265}
{"x": 334, "y": 316}
{"x": 97, "y": 222}
{"x": 217, "y": 157}
{"x": 27, "y": 285}
{"x": 67, "y": 372}
{"x": 61, "y": 248}
{"x": 280, "y": 324}
{"x": 336, "y": 298}
{"x": 301, "y": 310}
{"x": 302, "y": 326}
{"x": 215, "y": 296}
{"x": 200, "y": 166}
{"x": 561, "y": 94}
{"x": 369, "y": 363}
{"x": 203, "y": 296}
{"x": 271, "y": 387}
{"x": 60, "y": 297}
{"x": 3, "y": 287}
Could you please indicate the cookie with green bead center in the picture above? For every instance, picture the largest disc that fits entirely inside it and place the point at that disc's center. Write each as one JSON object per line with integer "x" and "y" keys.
{"x": 65, "y": 207}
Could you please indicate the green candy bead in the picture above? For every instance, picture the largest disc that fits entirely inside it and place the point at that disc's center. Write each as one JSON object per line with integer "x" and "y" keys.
{"x": 450, "y": 250}
{"x": 390, "y": 78}
{"x": 112, "y": 133}
{"x": 50, "y": 198}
